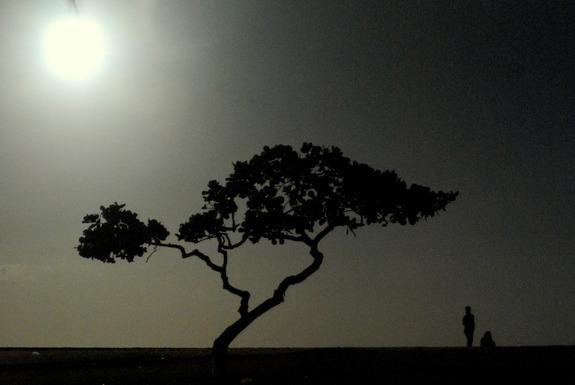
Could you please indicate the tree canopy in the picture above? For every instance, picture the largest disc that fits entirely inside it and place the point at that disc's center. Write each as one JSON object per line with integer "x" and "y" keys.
{"x": 280, "y": 194}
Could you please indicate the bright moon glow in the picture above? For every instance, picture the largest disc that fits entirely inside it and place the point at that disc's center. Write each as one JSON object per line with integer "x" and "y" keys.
{"x": 74, "y": 48}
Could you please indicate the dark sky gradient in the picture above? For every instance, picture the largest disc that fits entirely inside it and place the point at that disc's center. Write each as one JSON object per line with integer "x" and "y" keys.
{"x": 475, "y": 96}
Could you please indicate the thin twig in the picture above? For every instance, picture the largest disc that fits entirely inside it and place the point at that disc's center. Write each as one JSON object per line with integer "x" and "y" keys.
{"x": 152, "y": 253}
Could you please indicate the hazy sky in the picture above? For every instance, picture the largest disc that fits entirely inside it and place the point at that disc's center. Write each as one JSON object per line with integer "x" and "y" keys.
{"x": 475, "y": 96}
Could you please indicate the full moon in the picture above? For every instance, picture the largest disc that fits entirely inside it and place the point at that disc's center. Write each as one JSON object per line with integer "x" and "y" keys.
{"x": 74, "y": 48}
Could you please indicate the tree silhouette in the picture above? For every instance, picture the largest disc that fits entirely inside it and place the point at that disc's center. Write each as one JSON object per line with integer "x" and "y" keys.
{"x": 280, "y": 195}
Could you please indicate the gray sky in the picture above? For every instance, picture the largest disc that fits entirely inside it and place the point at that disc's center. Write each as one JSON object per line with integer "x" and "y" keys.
{"x": 475, "y": 96}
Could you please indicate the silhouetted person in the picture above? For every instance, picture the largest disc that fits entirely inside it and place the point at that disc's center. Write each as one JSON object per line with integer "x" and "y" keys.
{"x": 487, "y": 341}
{"x": 468, "y": 326}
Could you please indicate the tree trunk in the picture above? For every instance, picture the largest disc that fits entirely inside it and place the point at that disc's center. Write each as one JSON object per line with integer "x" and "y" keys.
{"x": 222, "y": 343}
{"x": 219, "y": 353}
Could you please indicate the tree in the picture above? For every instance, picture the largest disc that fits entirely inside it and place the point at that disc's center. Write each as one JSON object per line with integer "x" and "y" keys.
{"x": 280, "y": 195}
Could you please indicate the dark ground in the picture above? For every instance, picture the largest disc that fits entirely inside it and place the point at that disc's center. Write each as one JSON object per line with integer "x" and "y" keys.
{"x": 513, "y": 365}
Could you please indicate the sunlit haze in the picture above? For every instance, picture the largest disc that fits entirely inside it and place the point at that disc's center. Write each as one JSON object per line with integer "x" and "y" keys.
{"x": 74, "y": 48}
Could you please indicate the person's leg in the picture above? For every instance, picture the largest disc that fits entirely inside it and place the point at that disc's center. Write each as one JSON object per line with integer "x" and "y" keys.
{"x": 469, "y": 337}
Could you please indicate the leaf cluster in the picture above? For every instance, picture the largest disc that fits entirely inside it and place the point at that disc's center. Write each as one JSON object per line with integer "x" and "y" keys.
{"x": 118, "y": 233}
{"x": 286, "y": 194}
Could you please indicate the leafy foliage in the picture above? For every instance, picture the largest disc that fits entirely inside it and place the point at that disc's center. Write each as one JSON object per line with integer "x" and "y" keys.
{"x": 118, "y": 233}
{"x": 277, "y": 195}
{"x": 288, "y": 193}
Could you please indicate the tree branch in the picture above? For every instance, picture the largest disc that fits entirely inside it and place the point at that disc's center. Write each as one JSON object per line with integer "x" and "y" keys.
{"x": 232, "y": 246}
{"x": 243, "y": 294}
{"x": 237, "y": 327}
{"x": 295, "y": 238}
{"x": 193, "y": 253}
{"x": 279, "y": 292}
{"x": 222, "y": 270}
{"x": 323, "y": 233}
{"x": 152, "y": 253}
{"x": 204, "y": 258}
{"x": 301, "y": 276}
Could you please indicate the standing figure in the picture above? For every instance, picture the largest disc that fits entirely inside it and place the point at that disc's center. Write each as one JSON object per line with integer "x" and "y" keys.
{"x": 468, "y": 326}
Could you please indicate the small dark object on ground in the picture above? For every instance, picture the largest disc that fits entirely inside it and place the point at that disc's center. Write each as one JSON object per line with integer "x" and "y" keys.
{"x": 487, "y": 341}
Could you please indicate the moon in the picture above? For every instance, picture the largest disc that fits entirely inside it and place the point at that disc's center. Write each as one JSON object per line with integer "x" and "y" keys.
{"x": 74, "y": 48}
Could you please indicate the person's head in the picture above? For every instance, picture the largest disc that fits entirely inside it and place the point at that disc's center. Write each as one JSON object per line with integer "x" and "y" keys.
{"x": 467, "y": 309}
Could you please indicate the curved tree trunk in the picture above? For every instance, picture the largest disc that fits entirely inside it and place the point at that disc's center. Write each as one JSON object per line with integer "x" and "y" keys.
{"x": 222, "y": 343}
